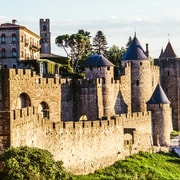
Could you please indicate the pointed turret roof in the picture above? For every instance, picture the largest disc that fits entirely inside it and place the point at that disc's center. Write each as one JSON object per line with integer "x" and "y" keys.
{"x": 168, "y": 52}
{"x": 159, "y": 96}
{"x": 161, "y": 54}
{"x": 97, "y": 61}
{"x": 135, "y": 51}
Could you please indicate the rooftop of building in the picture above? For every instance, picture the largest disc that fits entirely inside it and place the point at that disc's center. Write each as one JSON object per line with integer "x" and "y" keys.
{"x": 97, "y": 60}
{"x": 14, "y": 25}
{"x": 135, "y": 51}
{"x": 168, "y": 52}
{"x": 159, "y": 96}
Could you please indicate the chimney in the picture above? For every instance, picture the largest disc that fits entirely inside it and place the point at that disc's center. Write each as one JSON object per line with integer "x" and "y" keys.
{"x": 14, "y": 21}
{"x": 147, "y": 50}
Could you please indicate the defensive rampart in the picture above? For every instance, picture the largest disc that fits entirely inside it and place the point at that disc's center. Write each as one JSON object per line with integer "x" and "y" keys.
{"x": 83, "y": 146}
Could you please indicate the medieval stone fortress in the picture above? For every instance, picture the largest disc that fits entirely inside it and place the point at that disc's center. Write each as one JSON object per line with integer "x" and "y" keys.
{"x": 92, "y": 122}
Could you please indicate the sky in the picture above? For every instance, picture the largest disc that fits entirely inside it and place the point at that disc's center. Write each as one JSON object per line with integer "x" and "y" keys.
{"x": 155, "y": 21}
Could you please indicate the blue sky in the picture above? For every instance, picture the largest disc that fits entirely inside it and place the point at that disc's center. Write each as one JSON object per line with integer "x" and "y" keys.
{"x": 152, "y": 20}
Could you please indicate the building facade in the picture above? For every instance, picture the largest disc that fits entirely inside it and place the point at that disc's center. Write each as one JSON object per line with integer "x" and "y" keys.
{"x": 17, "y": 43}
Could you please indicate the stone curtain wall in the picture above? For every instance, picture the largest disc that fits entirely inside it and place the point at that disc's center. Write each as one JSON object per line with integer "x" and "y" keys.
{"x": 82, "y": 146}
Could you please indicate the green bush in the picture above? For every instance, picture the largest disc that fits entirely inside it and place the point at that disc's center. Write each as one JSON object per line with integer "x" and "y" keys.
{"x": 30, "y": 163}
{"x": 175, "y": 133}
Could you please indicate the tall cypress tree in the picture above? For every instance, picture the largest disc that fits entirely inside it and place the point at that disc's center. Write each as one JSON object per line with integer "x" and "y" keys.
{"x": 100, "y": 43}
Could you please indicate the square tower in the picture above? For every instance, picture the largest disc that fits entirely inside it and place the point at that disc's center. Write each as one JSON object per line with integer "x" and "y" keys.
{"x": 45, "y": 35}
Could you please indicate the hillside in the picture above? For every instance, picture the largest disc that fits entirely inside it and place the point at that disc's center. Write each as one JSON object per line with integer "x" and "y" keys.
{"x": 141, "y": 166}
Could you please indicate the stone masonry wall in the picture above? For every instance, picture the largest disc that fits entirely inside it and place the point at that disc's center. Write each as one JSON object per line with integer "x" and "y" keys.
{"x": 123, "y": 90}
{"x": 170, "y": 77}
{"x": 38, "y": 89}
{"x": 86, "y": 96}
{"x": 161, "y": 123}
{"x": 82, "y": 146}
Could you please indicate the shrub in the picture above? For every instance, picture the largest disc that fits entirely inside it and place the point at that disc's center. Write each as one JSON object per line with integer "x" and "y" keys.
{"x": 30, "y": 163}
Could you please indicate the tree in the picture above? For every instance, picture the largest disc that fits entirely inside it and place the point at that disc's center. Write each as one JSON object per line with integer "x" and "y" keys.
{"x": 114, "y": 55}
{"x": 100, "y": 43}
{"x": 76, "y": 46}
{"x": 88, "y": 46}
{"x": 63, "y": 41}
{"x": 30, "y": 163}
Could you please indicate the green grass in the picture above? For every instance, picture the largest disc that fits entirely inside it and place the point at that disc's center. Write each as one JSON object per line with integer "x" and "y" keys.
{"x": 143, "y": 166}
{"x": 174, "y": 134}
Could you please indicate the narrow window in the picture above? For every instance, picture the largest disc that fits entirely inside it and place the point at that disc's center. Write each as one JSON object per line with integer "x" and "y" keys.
{"x": 44, "y": 28}
{"x": 14, "y": 38}
{"x": 3, "y": 38}
{"x": 3, "y": 52}
{"x": 137, "y": 82}
{"x": 108, "y": 68}
{"x": 152, "y": 83}
{"x": 168, "y": 73}
{"x": 14, "y": 53}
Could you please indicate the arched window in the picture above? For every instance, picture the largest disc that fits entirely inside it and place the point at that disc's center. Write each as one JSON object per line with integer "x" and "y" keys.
{"x": 14, "y": 52}
{"x": 14, "y": 37}
{"x": 3, "y": 38}
{"x": 24, "y": 100}
{"x": 3, "y": 52}
{"x": 44, "y": 28}
{"x": 44, "y": 109}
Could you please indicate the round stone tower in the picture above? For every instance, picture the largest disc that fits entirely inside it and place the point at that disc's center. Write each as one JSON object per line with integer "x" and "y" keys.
{"x": 98, "y": 67}
{"x": 159, "y": 105}
{"x": 141, "y": 78}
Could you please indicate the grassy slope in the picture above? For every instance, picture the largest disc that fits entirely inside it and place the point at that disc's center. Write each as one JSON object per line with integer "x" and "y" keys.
{"x": 141, "y": 166}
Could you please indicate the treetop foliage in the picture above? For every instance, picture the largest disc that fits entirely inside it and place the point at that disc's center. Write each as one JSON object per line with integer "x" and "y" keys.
{"x": 100, "y": 43}
{"x": 78, "y": 47}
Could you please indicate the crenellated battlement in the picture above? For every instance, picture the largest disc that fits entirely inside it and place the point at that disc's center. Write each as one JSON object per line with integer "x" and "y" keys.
{"x": 27, "y": 76}
{"x": 135, "y": 116}
{"x": 20, "y": 73}
{"x": 23, "y": 116}
{"x": 154, "y": 68}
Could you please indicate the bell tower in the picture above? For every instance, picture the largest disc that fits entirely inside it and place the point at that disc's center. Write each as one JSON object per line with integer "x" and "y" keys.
{"x": 45, "y": 35}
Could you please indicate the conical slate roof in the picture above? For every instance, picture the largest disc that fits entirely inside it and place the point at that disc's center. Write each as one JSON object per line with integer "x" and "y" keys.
{"x": 159, "y": 96}
{"x": 135, "y": 51}
{"x": 168, "y": 52}
{"x": 97, "y": 61}
{"x": 161, "y": 54}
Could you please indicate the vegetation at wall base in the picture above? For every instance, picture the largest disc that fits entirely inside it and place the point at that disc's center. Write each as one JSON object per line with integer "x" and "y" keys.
{"x": 175, "y": 133}
{"x": 34, "y": 163}
{"x": 142, "y": 166}
{"x": 31, "y": 164}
